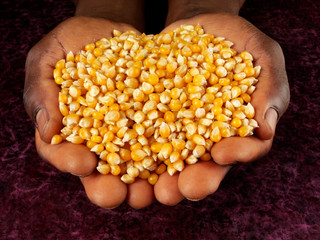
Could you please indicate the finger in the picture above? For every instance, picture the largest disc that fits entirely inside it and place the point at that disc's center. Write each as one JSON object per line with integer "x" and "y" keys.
{"x": 271, "y": 97}
{"x": 106, "y": 191}
{"x": 201, "y": 179}
{"x": 140, "y": 194}
{"x": 67, "y": 157}
{"x": 166, "y": 189}
{"x": 237, "y": 149}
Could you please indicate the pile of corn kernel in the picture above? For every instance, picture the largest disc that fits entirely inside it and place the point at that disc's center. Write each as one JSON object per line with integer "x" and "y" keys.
{"x": 146, "y": 104}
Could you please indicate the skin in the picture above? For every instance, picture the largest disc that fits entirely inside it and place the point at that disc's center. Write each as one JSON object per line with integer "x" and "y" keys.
{"x": 195, "y": 182}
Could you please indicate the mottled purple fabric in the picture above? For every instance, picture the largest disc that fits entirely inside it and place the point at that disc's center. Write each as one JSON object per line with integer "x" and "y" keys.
{"x": 277, "y": 197}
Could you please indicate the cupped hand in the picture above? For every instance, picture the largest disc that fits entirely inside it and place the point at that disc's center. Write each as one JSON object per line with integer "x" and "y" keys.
{"x": 270, "y": 101}
{"x": 41, "y": 103}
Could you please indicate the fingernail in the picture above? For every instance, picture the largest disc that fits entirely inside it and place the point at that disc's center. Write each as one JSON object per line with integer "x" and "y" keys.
{"x": 271, "y": 117}
{"x": 41, "y": 120}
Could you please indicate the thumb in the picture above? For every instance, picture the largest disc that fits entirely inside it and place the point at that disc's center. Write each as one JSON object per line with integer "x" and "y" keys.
{"x": 272, "y": 94}
{"x": 41, "y": 93}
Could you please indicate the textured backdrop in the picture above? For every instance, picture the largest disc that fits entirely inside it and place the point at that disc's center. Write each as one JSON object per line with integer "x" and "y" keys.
{"x": 277, "y": 197}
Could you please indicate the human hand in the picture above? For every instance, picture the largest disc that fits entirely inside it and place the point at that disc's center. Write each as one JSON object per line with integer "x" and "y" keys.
{"x": 41, "y": 103}
{"x": 270, "y": 101}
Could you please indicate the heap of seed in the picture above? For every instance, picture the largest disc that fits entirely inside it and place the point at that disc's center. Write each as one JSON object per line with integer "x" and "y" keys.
{"x": 146, "y": 104}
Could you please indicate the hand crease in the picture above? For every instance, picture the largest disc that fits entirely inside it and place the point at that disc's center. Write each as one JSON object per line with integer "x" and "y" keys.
{"x": 54, "y": 36}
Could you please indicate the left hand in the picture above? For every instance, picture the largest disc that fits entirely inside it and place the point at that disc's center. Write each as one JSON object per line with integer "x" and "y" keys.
{"x": 270, "y": 100}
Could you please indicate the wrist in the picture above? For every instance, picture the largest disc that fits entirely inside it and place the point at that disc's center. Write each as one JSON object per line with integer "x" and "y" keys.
{"x": 183, "y": 9}
{"x": 121, "y": 11}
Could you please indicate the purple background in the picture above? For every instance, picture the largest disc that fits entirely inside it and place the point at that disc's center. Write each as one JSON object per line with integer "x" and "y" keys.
{"x": 277, "y": 197}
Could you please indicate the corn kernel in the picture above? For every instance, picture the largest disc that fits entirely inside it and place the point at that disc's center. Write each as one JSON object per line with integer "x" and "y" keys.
{"x": 153, "y": 178}
{"x": 56, "y": 139}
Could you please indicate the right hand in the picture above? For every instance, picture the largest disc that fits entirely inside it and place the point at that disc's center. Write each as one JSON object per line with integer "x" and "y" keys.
{"x": 41, "y": 103}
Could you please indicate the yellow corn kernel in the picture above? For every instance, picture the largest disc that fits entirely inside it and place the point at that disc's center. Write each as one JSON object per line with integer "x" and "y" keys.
{"x": 249, "y": 71}
{"x": 61, "y": 63}
{"x": 90, "y": 46}
{"x": 86, "y": 122}
{"x": 170, "y": 169}
{"x": 63, "y": 98}
{"x": 221, "y": 71}
{"x": 133, "y": 172}
{"x": 113, "y": 158}
{"x": 115, "y": 170}
{"x": 222, "y": 118}
{"x": 245, "y": 131}
{"x": 154, "y": 97}
{"x": 111, "y": 147}
{"x": 156, "y": 147}
{"x": 198, "y": 139}
{"x": 90, "y": 144}
{"x": 96, "y": 139}
{"x": 225, "y": 132}
{"x": 199, "y": 80}
{"x": 178, "y": 165}
{"x": 161, "y": 169}
{"x": 206, "y": 157}
{"x": 59, "y": 80}
{"x": 215, "y": 135}
{"x": 239, "y": 76}
{"x": 164, "y": 130}
{"x": 246, "y": 97}
{"x": 126, "y": 178}
{"x": 175, "y": 105}
{"x": 226, "y": 96}
{"x": 133, "y": 72}
{"x": 57, "y": 73}
{"x": 246, "y": 56}
{"x": 166, "y": 150}
{"x": 125, "y": 154}
{"x": 56, "y": 139}
{"x": 174, "y": 156}
{"x": 138, "y": 95}
{"x": 147, "y": 162}
{"x": 178, "y": 144}
{"x": 235, "y": 92}
{"x": 112, "y": 116}
{"x": 138, "y": 155}
{"x": 153, "y": 178}
{"x": 236, "y": 122}
{"x": 97, "y": 115}
{"x": 103, "y": 167}
{"x": 144, "y": 174}
{"x": 108, "y": 136}
{"x": 158, "y": 88}
{"x": 197, "y": 103}
{"x": 169, "y": 116}
{"x": 175, "y": 93}
{"x": 85, "y": 134}
{"x": 186, "y": 51}
{"x": 98, "y": 148}
{"x": 224, "y": 81}
{"x": 74, "y": 139}
{"x": 218, "y": 102}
